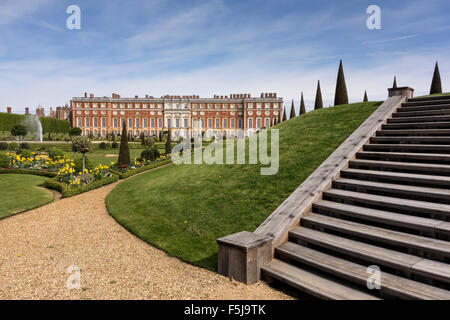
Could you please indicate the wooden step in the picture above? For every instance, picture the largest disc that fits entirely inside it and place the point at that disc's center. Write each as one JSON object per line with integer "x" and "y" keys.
{"x": 419, "y": 148}
{"x": 419, "y": 119}
{"x": 387, "y": 203}
{"x": 416, "y": 125}
{"x": 426, "y": 101}
{"x": 414, "y": 132}
{"x": 311, "y": 283}
{"x": 398, "y": 178}
{"x": 435, "y": 140}
{"x": 395, "y": 190}
{"x": 367, "y": 233}
{"x": 420, "y": 168}
{"x": 423, "y": 113}
{"x": 390, "y": 286}
{"x": 404, "y": 156}
{"x": 403, "y": 262}
{"x": 424, "y": 108}
{"x": 387, "y": 218}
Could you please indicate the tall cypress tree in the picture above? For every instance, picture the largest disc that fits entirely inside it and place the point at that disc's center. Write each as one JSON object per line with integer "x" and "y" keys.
{"x": 394, "y": 86}
{"x": 168, "y": 145}
{"x": 436, "y": 85}
{"x": 340, "y": 96}
{"x": 292, "y": 115}
{"x": 365, "y": 97}
{"x": 318, "y": 104}
{"x": 302, "y": 105}
{"x": 124, "y": 152}
{"x": 284, "y": 115}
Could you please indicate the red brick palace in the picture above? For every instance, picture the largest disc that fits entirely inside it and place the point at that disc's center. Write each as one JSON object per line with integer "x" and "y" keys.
{"x": 224, "y": 114}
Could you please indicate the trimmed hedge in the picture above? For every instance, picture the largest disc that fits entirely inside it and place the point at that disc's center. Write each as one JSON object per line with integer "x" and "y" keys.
{"x": 67, "y": 192}
{"x": 130, "y": 173}
{"x": 42, "y": 173}
{"x": 9, "y": 120}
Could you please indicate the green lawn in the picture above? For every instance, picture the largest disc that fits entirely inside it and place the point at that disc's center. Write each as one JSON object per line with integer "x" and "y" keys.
{"x": 104, "y": 156}
{"x": 183, "y": 209}
{"x": 20, "y": 192}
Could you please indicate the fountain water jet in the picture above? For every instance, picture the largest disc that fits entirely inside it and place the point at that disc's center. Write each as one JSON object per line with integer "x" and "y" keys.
{"x": 33, "y": 125}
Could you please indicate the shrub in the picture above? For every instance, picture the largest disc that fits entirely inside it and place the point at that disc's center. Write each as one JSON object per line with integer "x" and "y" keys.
{"x": 4, "y": 161}
{"x": 19, "y": 131}
{"x": 13, "y": 146}
{"x": 150, "y": 154}
{"x": 124, "y": 152}
{"x": 79, "y": 164}
{"x": 24, "y": 145}
{"x": 102, "y": 145}
{"x": 149, "y": 142}
{"x": 168, "y": 145}
{"x": 3, "y": 146}
{"x": 115, "y": 145}
{"x": 69, "y": 192}
{"x": 74, "y": 132}
{"x": 81, "y": 144}
{"x": 54, "y": 153}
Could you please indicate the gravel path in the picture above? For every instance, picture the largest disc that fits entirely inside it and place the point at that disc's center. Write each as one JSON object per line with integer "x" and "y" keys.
{"x": 38, "y": 246}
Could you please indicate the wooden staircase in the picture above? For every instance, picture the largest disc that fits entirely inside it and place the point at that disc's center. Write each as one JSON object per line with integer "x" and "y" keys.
{"x": 390, "y": 208}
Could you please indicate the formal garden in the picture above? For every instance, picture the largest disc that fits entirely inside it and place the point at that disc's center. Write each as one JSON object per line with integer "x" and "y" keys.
{"x": 72, "y": 167}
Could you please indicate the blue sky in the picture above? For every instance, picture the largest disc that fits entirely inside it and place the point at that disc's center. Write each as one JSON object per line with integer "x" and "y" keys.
{"x": 159, "y": 47}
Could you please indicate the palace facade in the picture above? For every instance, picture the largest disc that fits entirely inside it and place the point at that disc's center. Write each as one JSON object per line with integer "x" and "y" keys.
{"x": 224, "y": 115}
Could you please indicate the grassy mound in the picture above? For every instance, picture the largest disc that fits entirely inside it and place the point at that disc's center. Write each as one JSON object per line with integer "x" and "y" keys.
{"x": 20, "y": 192}
{"x": 182, "y": 209}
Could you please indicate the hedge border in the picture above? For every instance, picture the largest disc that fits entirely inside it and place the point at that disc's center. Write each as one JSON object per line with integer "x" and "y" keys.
{"x": 133, "y": 172}
{"x": 70, "y": 192}
{"x": 48, "y": 174}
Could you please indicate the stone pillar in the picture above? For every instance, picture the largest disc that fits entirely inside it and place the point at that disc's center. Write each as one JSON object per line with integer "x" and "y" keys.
{"x": 402, "y": 91}
{"x": 241, "y": 255}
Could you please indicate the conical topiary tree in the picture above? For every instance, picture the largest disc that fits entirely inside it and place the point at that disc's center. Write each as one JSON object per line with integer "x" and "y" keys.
{"x": 302, "y": 105}
{"x": 394, "y": 85}
{"x": 292, "y": 115}
{"x": 284, "y": 115}
{"x": 340, "y": 96}
{"x": 318, "y": 104}
{"x": 365, "y": 97}
{"x": 168, "y": 145}
{"x": 124, "y": 152}
{"x": 436, "y": 85}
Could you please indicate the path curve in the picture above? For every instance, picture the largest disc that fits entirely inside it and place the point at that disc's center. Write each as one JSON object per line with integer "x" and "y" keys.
{"x": 37, "y": 247}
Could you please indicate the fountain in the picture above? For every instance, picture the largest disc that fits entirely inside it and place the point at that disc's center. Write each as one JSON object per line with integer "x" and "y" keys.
{"x": 33, "y": 125}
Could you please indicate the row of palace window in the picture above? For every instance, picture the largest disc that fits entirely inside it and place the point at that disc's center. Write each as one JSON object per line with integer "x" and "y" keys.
{"x": 197, "y": 123}
{"x": 137, "y": 133}
{"x": 258, "y": 105}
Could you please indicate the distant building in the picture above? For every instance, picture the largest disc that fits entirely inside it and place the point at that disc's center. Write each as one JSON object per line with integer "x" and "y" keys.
{"x": 40, "y": 112}
{"x": 63, "y": 113}
{"x": 149, "y": 115}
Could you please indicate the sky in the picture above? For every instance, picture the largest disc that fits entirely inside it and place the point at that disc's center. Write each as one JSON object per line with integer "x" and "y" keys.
{"x": 159, "y": 47}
